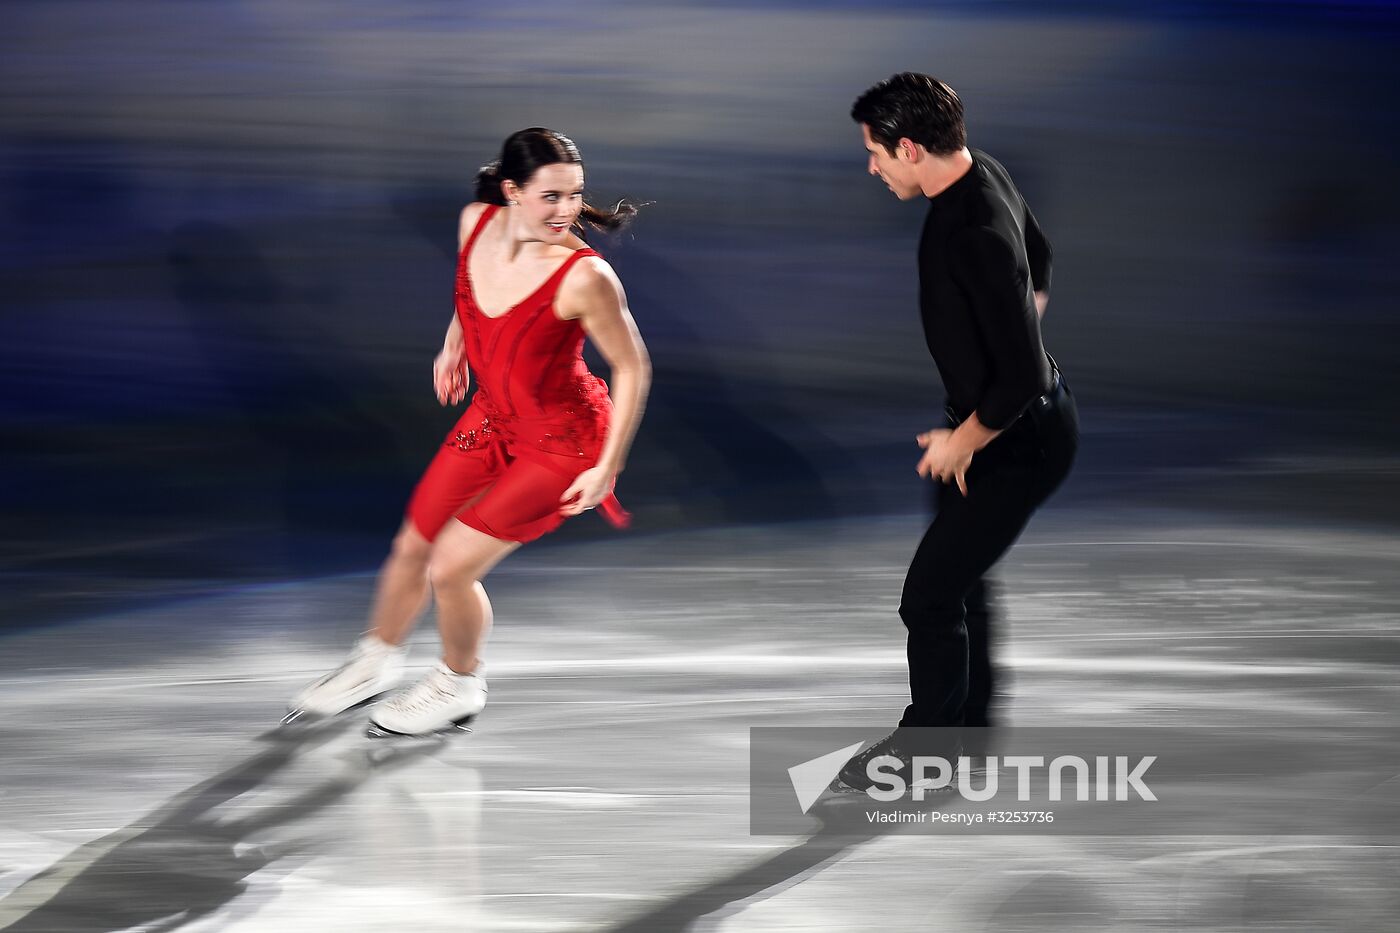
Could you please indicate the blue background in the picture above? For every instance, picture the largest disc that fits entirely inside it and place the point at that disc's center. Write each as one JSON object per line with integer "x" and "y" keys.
{"x": 227, "y": 234}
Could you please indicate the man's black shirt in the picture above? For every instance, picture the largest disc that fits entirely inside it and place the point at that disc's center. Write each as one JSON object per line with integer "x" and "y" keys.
{"x": 981, "y": 258}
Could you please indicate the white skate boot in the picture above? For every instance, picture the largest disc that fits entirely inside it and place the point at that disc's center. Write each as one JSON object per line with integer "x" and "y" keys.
{"x": 372, "y": 668}
{"x": 441, "y": 702}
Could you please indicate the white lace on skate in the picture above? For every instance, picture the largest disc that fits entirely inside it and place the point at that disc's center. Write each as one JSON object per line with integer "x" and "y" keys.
{"x": 372, "y": 668}
{"x": 441, "y": 700}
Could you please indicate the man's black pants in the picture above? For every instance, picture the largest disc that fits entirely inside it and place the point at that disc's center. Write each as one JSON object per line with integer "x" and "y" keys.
{"x": 945, "y": 597}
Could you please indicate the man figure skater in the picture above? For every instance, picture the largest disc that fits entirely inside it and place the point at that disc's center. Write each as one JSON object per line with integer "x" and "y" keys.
{"x": 1011, "y": 425}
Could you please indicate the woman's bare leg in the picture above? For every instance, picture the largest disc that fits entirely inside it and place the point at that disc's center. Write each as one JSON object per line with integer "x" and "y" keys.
{"x": 401, "y": 592}
{"x": 461, "y": 558}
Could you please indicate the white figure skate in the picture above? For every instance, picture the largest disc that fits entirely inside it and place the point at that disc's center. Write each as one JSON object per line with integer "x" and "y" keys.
{"x": 443, "y": 701}
{"x": 372, "y": 668}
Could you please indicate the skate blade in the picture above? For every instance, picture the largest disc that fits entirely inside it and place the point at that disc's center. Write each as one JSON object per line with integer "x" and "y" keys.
{"x": 376, "y": 731}
{"x": 298, "y": 715}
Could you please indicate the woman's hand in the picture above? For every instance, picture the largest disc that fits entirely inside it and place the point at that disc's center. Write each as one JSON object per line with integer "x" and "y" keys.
{"x": 449, "y": 377}
{"x": 587, "y": 490}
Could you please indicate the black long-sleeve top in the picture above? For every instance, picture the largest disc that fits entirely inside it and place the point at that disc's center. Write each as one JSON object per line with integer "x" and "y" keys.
{"x": 981, "y": 258}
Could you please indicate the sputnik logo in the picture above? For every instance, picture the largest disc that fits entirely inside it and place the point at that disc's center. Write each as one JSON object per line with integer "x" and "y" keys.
{"x": 810, "y": 778}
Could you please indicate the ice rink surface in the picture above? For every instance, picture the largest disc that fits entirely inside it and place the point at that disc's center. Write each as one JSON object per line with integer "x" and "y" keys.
{"x": 145, "y": 786}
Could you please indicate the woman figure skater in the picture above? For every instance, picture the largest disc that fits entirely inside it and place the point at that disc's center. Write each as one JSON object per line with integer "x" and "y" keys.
{"x": 540, "y": 441}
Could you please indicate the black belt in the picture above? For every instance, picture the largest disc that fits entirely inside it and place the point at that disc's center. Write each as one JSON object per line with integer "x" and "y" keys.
{"x": 1037, "y": 405}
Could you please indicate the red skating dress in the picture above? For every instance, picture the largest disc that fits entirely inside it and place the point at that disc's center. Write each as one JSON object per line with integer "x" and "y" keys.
{"x": 538, "y": 419}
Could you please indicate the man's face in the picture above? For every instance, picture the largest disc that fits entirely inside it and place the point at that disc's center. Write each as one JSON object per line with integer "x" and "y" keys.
{"x": 896, "y": 171}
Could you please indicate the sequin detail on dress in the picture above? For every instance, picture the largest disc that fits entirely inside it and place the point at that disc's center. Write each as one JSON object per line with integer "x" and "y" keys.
{"x": 472, "y": 438}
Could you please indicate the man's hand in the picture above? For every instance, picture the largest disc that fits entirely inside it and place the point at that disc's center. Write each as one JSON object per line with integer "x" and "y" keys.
{"x": 944, "y": 457}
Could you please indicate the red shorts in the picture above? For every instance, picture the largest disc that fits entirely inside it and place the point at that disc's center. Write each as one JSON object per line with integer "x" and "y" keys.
{"x": 510, "y": 498}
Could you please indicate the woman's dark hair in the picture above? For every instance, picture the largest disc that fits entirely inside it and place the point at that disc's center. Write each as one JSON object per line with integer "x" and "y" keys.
{"x": 913, "y": 106}
{"x": 526, "y": 152}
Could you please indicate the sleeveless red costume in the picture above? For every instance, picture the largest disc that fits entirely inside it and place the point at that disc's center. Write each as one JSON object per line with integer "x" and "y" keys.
{"x": 537, "y": 420}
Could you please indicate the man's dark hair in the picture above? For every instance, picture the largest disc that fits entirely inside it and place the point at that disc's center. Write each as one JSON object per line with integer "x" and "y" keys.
{"x": 916, "y": 106}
